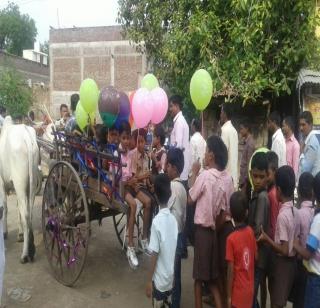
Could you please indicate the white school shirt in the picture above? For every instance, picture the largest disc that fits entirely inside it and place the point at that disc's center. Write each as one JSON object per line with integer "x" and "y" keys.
{"x": 163, "y": 241}
{"x": 180, "y": 139}
{"x": 279, "y": 147}
{"x": 178, "y": 203}
{"x": 313, "y": 242}
{"x": 198, "y": 148}
{"x": 229, "y": 136}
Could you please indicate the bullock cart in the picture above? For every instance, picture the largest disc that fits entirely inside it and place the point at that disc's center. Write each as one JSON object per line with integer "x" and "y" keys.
{"x": 83, "y": 185}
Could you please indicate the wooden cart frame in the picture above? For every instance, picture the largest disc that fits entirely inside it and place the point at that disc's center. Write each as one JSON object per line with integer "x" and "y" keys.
{"x": 77, "y": 191}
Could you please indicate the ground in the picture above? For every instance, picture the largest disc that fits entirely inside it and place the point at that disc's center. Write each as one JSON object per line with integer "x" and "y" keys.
{"x": 107, "y": 280}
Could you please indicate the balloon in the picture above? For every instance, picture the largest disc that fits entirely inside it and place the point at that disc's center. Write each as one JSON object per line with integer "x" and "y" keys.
{"x": 131, "y": 122}
{"x": 149, "y": 82}
{"x": 82, "y": 117}
{"x": 92, "y": 118}
{"x": 131, "y": 95}
{"x": 142, "y": 107}
{"x": 108, "y": 119}
{"x": 124, "y": 110}
{"x": 160, "y": 105}
{"x": 201, "y": 89}
{"x": 89, "y": 95}
{"x": 109, "y": 104}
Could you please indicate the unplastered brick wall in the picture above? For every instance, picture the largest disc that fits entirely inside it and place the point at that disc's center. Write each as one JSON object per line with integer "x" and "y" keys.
{"x": 100, "y": 53}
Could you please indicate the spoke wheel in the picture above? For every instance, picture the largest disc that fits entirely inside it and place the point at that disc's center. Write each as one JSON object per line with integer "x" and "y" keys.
{"x": 65, "y": 223}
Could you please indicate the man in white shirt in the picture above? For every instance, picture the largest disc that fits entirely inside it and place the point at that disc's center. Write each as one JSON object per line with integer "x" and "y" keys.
{"x": 197, "y": 143}
{"x": 278, "y": 142}
{"x": 180, "y": 134}
{"x": 2, "y": 252}
{"x": 2, "y": 115}
{"x": 229, "y": 136}
{"x": 310, "y": 150}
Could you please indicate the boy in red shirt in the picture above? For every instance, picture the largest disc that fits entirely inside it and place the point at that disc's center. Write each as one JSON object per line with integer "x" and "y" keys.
{"x": 241, "y": 253}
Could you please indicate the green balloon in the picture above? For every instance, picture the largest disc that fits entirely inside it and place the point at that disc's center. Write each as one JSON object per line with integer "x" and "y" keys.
{"x": 89, "y": 95}
{"x": 201, "y": 89}
{"x": 108, "y": 118}
{"x": 263, "y": 150}
{"x": 82, "y": 117}
{"x": 149, "y": 82}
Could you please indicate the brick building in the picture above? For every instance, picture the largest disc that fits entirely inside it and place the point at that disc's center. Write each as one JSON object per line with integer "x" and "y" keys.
{"x": 33, "y": 72}
{"x": 100, "y": 53}
{"x": 36, "y": 76}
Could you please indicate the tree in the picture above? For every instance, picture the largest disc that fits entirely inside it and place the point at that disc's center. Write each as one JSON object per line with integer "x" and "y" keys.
{"x": 17, "y": 31}
{"x": 44, "y": 47}
{"x": 15, "y": 95}
{"x": 252, "y": 49}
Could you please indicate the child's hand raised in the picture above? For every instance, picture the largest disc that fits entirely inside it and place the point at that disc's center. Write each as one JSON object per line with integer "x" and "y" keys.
{"x": 149, "y": 289}
{"x": 196, "y": 168}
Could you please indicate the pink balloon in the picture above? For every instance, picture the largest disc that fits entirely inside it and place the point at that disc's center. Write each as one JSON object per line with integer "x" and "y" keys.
{"x": 142, "y": 107}
{"x": 160, "y": 105}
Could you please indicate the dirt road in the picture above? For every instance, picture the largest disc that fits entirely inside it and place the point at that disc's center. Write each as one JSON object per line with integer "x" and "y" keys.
{"x": 107, "y": 280}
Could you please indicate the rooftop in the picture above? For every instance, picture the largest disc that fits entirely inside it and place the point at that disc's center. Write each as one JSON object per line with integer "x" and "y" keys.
{"x": 86, "y": 34}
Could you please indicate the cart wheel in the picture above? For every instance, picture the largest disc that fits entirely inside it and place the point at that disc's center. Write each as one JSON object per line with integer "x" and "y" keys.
{"x": 120, "y": 223}
{"x": 139, "y": 221}
{"x": 65, "y": 223}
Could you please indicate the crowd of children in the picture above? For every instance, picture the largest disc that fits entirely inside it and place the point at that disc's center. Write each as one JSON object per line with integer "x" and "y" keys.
{"x": 274, "y": 244}
{"x": 269, "y": 243}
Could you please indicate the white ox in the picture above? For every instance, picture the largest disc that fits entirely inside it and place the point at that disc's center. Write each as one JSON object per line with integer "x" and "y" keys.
{"x": 19, "y": 159}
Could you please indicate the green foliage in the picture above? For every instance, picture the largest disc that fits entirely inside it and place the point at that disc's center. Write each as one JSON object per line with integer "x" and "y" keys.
{"x": 15, "y": 95}
{"x": 44, "y": 47}
{"x": 17, "y": 31}
{"x": 252, "y": 48}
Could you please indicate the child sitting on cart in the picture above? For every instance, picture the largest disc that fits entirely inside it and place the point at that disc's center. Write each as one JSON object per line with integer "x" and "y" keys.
{"x": 134, "y": 172}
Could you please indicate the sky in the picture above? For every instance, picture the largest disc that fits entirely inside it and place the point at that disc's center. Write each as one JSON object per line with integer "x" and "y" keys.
{"x": 67, "y": 13}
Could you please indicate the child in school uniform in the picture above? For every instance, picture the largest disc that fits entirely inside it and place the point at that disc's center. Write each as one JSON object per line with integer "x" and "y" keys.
{"x": 113, "y": 135}
{"x": 177, "y": 206}
{"x": 127, "y": 181}
{"x": 207, "y": 193}
{"x": 287, "y": 229}
{"x": 158, "y": 155}
{"x": 140, "y": 185}
{"x": 306, "y": 214}
{"x": 240, "y": 254}
{"x": 273, "y": 163}
{"x": 311, "y": 253}
{"x": 163, "y": 243}
{"x": 259, "y": 211}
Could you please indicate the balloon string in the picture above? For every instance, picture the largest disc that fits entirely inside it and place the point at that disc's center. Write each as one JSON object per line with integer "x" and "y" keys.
{"x": 88, "y": 125}
{"x": 137, "y": 150}
{"x": 202, "y": 126}
{"x": 151, "y": 146}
